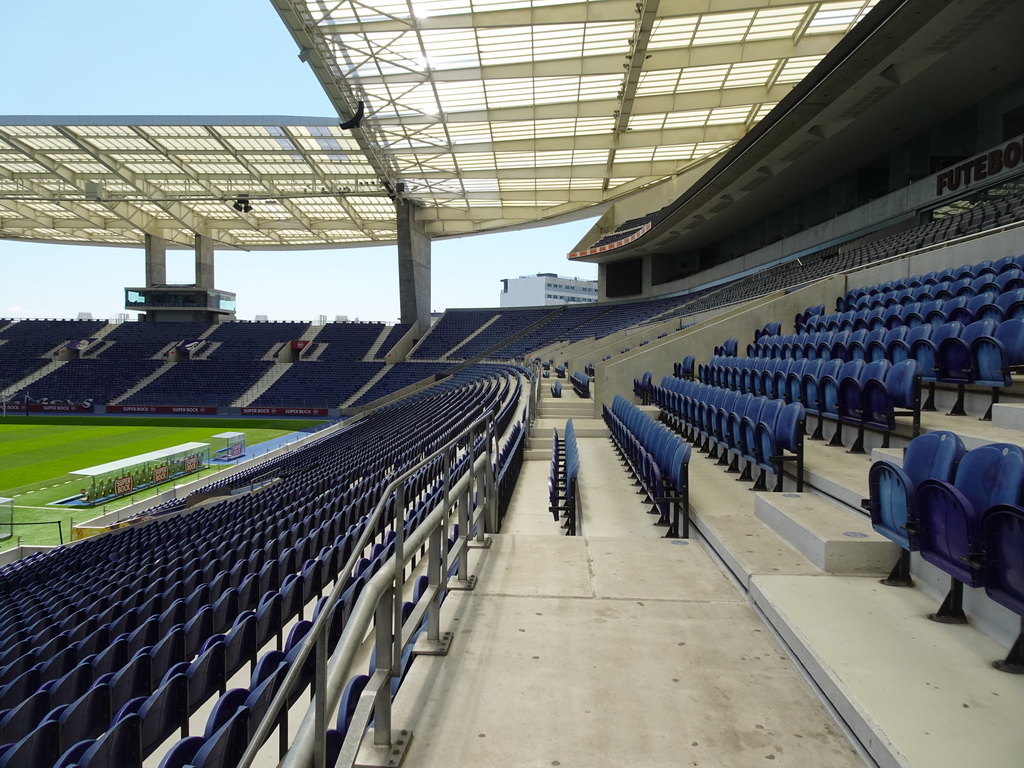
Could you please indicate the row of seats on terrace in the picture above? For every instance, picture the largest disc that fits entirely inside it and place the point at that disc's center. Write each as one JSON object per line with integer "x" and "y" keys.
{"x": 657, "y": 458}
{"x": 981, "y": 353}
{"x": 965, "y": 309}
{"x": 761, "y": 431}
{"x": 864, "y": 395}
{"x": 924, "y": 287}
{"x": 207, "y": 593}
{"x": 563, "y": 478}
{"x": 961, "y": 511}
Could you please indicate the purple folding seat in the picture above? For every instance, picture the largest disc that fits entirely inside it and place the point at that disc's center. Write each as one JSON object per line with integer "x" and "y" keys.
{"x": 953, "y": 362}
{"x": 949, "y": 517}
{"x": 892, "y": 492}
{"x": 1002, "y": 532}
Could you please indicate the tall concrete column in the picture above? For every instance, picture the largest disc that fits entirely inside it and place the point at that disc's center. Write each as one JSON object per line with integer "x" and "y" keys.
{"x": 204, "y": 262}
{"x": 413, "y": 267}
{"x": 156, "y": 260}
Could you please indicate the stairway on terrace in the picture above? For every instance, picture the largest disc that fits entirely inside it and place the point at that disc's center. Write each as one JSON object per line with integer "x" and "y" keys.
{"x": 615, "y": 647}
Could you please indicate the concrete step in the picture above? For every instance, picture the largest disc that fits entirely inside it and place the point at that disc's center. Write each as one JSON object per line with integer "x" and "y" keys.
{"x": 594, "y": 429}
{"x": 567, "y": 407}
{"x": 835, "y": 539}
{"x": 1008, "y": 416}
{"x": 877, "y": 658}
{"x": 836, "y": 473}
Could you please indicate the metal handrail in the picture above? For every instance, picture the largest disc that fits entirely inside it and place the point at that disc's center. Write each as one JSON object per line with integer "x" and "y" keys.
{"x": 389, "y": 577}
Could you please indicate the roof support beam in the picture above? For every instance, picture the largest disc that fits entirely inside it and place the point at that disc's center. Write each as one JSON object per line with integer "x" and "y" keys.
{"x": 316, "y": 51}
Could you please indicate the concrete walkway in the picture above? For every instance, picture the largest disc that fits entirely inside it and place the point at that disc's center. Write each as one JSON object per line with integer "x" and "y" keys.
{"x": 614, "y": 648}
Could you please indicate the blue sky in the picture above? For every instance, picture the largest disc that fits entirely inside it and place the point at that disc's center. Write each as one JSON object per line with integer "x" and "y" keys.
{"x": 124, "y": 57}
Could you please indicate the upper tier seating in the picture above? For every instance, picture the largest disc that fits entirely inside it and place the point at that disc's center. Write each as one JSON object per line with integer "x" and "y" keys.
{"x": 505, "y": 326}
{"x": 131, "y": 341}
{"x": 394, "y": 336}
{"x": 241, "y": 340}
{"x": 347, "y": 341}
{"x": 658, "y": 458}
{"x": 453, "y": 327}
{"x": 33, "y": 338}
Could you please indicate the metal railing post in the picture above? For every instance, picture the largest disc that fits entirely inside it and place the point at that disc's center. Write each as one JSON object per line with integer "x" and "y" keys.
{"x": 435, "y": 581}
{"x": 320, "y": 682}
{"x": 396, "y": 616}
{"x": 379, "y": 604}
{"x": 383, "y": 640}
{"x": 465, "y": 533}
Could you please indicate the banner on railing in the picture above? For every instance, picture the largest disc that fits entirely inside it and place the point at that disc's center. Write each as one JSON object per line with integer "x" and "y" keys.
{"x": 177, "y": 409}
{"x": 251, "y": 411}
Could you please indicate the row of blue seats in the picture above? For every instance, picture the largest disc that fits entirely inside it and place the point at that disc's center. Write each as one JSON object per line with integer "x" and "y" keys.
{"x": 580, "y": 384}
{"x": 563, "y": 478}
{"x": 239, "y": 712}
{"x": 981, "y": 354}
{"x": 657, "y": 458}
{"x": 1006, "y": 305}
{"x": 23, "y": 577}
{"x": 963, "y": 272}
{"x": 866, "y": 395}
{"x": 961, "y": 510}
{"x": 947, "y": 288}
{"x": 165, "y": 644}
{"x": 731, "y": 426}
{"x": 685, "y": 368}
{"x": 893, "y": 344}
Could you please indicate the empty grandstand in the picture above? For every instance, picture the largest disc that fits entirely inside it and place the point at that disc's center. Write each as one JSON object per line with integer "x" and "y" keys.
{"x": 762, "y": 502}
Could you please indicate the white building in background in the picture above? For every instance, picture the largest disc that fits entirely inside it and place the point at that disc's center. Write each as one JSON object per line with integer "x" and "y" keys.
{"x": 546, "y": 288}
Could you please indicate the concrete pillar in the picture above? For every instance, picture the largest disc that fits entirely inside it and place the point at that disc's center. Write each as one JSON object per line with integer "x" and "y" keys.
{"x": 204, "y": 262}
{"x": 413, "y": 266}
{"x": 156, "y": 260}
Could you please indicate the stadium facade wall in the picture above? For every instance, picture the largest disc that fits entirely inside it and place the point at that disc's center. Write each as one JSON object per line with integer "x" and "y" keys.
{"x": 903, "y": 205}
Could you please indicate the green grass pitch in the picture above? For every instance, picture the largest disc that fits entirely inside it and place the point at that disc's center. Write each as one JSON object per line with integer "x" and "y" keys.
{"x": 36, "y": 453}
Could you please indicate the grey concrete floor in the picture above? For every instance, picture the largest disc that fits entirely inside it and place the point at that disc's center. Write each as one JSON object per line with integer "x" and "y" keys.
{"x": 613, "y": 648}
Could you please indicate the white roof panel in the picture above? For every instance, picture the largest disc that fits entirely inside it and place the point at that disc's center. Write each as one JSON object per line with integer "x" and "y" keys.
{"x": 467, "y": 105}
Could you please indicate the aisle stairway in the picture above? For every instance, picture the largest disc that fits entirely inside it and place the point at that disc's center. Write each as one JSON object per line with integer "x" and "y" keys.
{"x": 616, "y": 647}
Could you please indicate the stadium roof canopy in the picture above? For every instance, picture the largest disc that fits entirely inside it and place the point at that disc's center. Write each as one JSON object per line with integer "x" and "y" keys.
{"x": 486, "y": 114}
